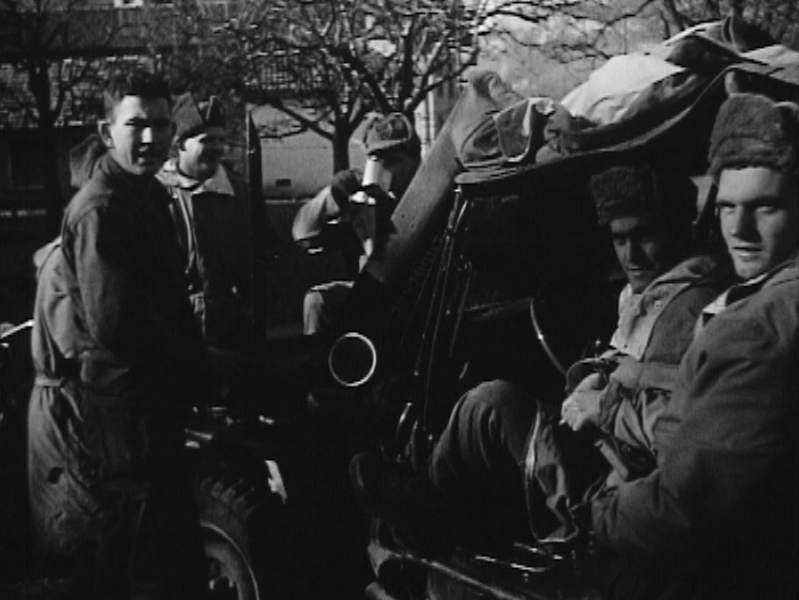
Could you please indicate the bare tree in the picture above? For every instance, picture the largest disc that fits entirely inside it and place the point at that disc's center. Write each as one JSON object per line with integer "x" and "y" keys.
{"x": 547, "y": 47}
{"x": 779, "y": 18}
{"x": 326, "y": 64}
{"x": 58, "y": 49}
{"x": 568, "y": 29}
{"x": 598, "y": 25}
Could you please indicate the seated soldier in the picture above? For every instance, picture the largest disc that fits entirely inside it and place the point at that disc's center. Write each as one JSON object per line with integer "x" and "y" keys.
{"x": 478, "y": 464}
{"x": 717, "y": 518}
{"x": 365, "y": 202}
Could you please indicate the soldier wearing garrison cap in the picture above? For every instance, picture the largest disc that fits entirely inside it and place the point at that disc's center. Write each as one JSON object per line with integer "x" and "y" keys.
{"x": 365, "y": 200}
{"x": 192, "y": 117}
{"x": 223, "y": 245}
{"x": 717, "y": 518}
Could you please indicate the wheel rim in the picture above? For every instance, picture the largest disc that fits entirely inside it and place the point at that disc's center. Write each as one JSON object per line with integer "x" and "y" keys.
{"x": 230, "y": 575}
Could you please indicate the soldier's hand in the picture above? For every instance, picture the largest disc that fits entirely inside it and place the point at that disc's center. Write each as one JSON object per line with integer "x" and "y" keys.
{"x": 581, "y": 408}
{"x": 344, "y": 184}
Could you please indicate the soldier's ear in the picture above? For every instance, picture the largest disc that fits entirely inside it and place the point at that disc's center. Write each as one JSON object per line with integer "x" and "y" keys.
{"x": 104, "y": 129}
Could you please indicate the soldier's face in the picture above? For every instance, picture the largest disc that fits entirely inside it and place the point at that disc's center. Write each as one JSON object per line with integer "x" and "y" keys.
{"x": 200, "y": 155}
{"x": 758, "y": 212}
{"x": 138, "y": 134}
{"x": 643, "y": 250}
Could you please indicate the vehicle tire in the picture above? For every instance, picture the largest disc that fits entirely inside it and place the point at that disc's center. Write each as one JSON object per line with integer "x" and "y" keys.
{"x": 235, "y": 529}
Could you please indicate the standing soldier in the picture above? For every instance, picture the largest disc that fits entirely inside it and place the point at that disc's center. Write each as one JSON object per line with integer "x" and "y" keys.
{"x": 364, "y": 202}
{"x": 224, "y": 245}
{"x": 62, "y": 502}
{"x": 142, "y": 356}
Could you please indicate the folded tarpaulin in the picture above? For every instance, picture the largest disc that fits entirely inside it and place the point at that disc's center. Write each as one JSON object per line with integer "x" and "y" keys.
{"x": 610, "y": 90}
{"x": 534, "y": 132}
{"x": 506, "y": 136}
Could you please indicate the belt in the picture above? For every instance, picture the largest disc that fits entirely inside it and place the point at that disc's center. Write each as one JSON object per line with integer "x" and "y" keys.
{"x": 53, "y": 382}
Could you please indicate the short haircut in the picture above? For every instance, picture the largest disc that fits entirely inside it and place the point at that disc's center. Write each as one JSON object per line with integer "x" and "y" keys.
{"x": 136, "y": 82}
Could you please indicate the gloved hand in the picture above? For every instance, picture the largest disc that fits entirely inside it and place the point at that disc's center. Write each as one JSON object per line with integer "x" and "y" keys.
{"x": 344, "y": 184}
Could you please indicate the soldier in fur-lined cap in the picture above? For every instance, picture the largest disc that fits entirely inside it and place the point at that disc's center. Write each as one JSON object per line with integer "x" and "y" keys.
{"x": 505, "y": 455}
{"x": 717, "y": 518}
{"x": 364, "y": 201}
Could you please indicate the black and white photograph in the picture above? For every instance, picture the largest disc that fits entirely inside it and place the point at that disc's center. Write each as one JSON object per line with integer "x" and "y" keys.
{"x": 399, "y": 299}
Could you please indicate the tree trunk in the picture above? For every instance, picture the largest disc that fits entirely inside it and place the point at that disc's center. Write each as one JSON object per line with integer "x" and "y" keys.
{"x": 40, "y": 87}
{"x": 54, "y": 195}
{"x": 341, "y": 149}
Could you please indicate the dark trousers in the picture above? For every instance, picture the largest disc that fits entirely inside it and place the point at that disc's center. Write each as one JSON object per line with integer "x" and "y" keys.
{"x": 147, "y": 538}
{"x": 149, "y": 546}
{"x": 479, "y": 461}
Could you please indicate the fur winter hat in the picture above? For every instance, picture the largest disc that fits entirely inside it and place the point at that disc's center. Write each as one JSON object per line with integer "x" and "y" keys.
{"x": 633, "y": 190}
{"x": 623, "y": 191}
{"x": 752, "y": 130}
{"x": 192, "y": 117}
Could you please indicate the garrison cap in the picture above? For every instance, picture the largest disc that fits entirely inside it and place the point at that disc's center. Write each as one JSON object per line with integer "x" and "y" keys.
{"x": 192, "y": 117}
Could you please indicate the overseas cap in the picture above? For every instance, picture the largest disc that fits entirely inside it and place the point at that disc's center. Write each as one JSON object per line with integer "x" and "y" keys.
{"x": 752, "y": 130}
{"x": 192, "y": 117}
{"x": 393, "y": 131}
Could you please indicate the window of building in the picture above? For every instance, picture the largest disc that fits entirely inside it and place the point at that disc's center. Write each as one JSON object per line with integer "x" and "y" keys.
{"x": 24, "y": 165}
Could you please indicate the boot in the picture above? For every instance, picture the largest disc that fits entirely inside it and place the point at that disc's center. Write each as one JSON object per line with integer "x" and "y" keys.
{"x": 407, "y": 501}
